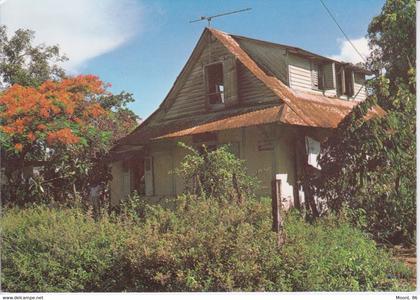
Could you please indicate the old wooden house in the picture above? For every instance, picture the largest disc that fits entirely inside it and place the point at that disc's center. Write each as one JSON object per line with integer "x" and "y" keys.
{"x": 272, "y": 103}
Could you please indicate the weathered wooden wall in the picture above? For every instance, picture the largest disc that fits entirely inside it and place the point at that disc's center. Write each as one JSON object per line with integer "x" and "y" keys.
{"x": 300, "y": 73}
{"x": 190, "y": 98}
{"x": 117, "y": 184}
{"x": 359, "y": 87}
{"x": 253, "y": 144}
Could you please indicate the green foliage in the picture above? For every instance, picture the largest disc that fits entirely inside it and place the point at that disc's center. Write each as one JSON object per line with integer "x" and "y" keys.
{"x": 392, "y": 37}
{"x": 333, "y": 255}
{"x": 25, "y": 64}
{"x": 133, "y": 207}
{"x": 205, "y": 245}
{"x": 57, "y": 250}
{"x": 64, "y": 170}
{"x": 216, "y": 174}
{"x": 198, "y": 245}
{"x": 369, "y": 165}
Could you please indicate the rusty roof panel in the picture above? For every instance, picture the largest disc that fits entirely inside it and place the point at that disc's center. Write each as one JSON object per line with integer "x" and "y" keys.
{"x": 231, "y": 119}
{"x": 303, "y": 108}
{"x": 327, "y": 116}
{"x": 257, "y": 117}
{"x": 294, "y": 108}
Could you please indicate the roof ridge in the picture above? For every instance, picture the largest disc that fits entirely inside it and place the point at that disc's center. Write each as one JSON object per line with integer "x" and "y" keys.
{"x": 304, "y": 51}
{"x": 307, "y": 52}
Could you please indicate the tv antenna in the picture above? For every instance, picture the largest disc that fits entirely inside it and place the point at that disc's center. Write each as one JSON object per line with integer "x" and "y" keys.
{"x": 202, "y": 18}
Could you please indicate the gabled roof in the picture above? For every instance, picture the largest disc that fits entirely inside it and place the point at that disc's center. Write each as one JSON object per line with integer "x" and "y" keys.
{"x": 293, "y": 108}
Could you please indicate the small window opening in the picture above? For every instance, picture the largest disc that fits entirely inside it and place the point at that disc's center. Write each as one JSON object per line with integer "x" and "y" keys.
{"x": 349, "y": 83}
{"x": 215, "y": 85}
{"x": 138, "y": 168}
{"x": 316, "y": 76}
{"x": 359, "y": 78}
{"x": 345, "y": 85}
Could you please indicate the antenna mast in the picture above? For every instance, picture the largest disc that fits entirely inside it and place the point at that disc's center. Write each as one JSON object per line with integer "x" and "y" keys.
{"x": 202, "y": 18}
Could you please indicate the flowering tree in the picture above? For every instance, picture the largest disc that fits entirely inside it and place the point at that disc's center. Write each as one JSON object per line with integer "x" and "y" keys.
{"x": 65, "y": 127}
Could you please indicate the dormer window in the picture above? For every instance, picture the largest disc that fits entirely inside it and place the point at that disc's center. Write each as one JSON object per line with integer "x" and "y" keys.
{"x": 349, "y": 80}
{"x": 345, "y": 82}
{"x": 316, "y": 76}
{"x": 215, "y": 85}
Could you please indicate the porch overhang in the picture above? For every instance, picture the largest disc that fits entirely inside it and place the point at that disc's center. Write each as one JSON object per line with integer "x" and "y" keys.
{"x": 322, "y": 113}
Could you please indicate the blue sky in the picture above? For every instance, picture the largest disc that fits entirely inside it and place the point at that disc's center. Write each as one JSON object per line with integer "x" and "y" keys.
{"x": 141, "y": 46}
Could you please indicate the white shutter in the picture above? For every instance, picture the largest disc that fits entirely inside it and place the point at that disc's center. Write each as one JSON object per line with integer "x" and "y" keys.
{"x": 230, "y": 81}
{"x": 328, "y": 75}
{"x": 314, "y": 76}
{"x": 313, "y": 148}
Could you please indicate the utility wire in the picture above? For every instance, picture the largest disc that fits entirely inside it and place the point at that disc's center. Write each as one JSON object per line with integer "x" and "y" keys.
{"x": 341, "y": 29}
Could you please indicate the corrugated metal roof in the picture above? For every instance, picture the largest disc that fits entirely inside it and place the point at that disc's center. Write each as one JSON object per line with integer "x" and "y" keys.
{"x": 294, "y": 108}
{"x": 257, "y": 117}
{"x": 232, "y": 118}
{"x": 303, "y": 108}
{"x": 300, "y": 51}
{"x": 328, "y": 116}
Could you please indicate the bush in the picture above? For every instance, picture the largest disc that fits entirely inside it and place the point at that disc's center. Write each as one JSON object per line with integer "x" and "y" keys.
{"x": 200, "y": 244}
{"x": 57, "y": 250}
{"x": 204, "y": 245}
{"x": 208, "y": 245}
{"x": 332, "y": 255}
{"x": 216, "y": 174}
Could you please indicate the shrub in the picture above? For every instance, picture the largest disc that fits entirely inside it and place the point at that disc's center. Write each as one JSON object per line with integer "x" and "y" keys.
{"x": 205, "y": 245}
{"x": 200, "y": 244}
{"x": 216, "y": 174}
{"x": 57, "y": 250}
{"x": 209, "y": 245}
{"x": 332, "y": 255}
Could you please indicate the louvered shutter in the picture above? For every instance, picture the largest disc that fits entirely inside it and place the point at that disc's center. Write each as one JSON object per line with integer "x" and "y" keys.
{"x": 315, "y": 75}
{"x": 230, "y": 80}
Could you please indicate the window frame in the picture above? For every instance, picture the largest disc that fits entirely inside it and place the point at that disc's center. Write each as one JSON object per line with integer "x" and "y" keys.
{"x": 349, "y": 82}
{"x": 222, "y": 104}
{"x": 320, "y": 76}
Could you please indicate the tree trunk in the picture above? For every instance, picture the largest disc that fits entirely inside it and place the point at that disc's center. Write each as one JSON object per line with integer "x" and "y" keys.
{"x": 239, "y": 198}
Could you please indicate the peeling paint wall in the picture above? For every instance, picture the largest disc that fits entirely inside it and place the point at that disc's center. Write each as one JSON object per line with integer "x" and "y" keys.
{"x": 360, "y": 92}
{"x": 267, "y": 150}
{"x": 300, "y": 73}
{"x": 116, "y": 183}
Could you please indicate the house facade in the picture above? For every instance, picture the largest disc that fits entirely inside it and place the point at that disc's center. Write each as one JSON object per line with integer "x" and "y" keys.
{"x": 271, "y": 103}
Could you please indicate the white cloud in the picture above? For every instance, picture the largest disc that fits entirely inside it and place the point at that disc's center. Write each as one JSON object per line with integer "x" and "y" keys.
{"x": 347, "y": 52}
{"x": 84, "y": 29}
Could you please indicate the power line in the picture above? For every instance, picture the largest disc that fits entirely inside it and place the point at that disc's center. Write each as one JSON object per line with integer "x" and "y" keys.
{"x": 341, "y": 29}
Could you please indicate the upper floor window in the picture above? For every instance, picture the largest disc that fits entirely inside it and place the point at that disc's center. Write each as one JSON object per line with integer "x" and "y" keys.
{"x": 359, "y": 78}
{"x": 349, "y": 82}
{"x": 215, "y": 85}
{"x": 316, "y": 76}
{"x": 345, "y": 82}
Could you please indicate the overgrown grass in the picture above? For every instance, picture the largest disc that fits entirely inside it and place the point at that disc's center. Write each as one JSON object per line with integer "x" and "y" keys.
{"x": 57, "y": 250}
{"x": 198, "y": 245}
